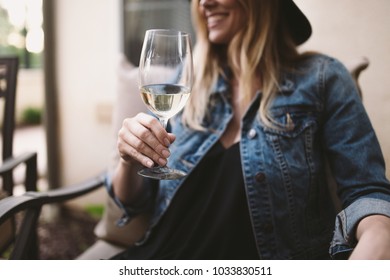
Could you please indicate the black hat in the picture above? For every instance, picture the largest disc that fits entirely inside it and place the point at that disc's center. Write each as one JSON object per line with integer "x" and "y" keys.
{"x": 297, "y": 22}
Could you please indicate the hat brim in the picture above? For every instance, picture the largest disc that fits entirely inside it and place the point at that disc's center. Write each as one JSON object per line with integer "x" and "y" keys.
{"x": 297, "y": 22}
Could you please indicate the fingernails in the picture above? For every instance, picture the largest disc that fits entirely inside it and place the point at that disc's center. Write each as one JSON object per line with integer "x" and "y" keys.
{"x": 166, "y": 142}
{"x": 149, "y": 163}
{"x": 166, "y": 153}
{"x": 162, "y": 161}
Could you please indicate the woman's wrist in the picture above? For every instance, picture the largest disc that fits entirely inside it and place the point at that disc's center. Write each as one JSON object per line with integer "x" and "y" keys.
{"x": 373, "y": 235}
{"x": 126, "y": 182}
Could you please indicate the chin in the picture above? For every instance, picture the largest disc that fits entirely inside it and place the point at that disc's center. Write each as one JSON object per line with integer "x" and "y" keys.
{"x": 217, "y": 39}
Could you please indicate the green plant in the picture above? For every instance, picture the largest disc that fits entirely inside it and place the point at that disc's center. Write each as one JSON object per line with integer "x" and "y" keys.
{"x": 95, "y": 210}
{"x": 31, "y": 116}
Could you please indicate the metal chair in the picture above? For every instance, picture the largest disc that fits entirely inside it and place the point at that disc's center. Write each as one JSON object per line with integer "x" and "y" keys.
{"x": 9, "y": 67}
{"x": 26, "y": 244}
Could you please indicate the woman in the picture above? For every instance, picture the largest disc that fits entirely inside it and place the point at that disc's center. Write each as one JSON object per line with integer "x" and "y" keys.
{"x": 253, "y": 139}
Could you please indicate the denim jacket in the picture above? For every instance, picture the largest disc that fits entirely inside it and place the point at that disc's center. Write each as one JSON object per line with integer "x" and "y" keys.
{"x": 285, "y": 170}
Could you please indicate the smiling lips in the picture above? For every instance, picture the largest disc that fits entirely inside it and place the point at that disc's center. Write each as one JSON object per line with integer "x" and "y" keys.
{"x": 214, "y": 19}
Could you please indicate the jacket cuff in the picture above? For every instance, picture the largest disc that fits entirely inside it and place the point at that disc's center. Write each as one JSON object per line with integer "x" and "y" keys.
{"x": 129, "y": 212}
{"x": 344, "y": 238}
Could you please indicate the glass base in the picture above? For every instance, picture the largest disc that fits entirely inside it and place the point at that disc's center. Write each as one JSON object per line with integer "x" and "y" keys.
{"x": 162, "y": 173}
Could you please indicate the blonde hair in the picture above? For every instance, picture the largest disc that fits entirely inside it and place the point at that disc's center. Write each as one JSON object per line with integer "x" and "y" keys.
{"x": 262, "y": 48}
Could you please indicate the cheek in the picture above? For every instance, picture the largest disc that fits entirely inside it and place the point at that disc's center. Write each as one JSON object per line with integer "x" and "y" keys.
{"x": 240, "y": 20}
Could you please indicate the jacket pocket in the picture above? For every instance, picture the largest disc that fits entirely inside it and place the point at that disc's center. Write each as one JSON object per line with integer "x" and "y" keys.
{"x": 290, "y": 122}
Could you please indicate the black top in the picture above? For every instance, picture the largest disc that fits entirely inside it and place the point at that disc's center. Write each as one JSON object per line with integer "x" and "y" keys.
{"x": 208, "y": 217}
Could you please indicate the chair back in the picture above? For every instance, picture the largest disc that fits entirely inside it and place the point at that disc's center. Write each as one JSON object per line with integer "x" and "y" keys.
{"x": 8, "y": 78}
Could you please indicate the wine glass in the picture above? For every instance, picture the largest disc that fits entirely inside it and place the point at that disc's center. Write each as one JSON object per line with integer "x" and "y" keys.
{"x": 165, "y": 82}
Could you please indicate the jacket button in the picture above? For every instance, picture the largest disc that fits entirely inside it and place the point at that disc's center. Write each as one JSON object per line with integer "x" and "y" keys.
{"x": 260, "y": 177}
{"x": 252, "y": 133}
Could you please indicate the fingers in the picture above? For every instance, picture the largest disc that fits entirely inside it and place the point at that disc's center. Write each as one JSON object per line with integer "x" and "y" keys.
{"x": 144, "y": 140}
{"x": 171, "y": 138}
{"x": 153, "y": 125}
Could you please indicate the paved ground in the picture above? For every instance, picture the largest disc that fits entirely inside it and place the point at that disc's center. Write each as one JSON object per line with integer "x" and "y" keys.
{"x": 31, "y": 138}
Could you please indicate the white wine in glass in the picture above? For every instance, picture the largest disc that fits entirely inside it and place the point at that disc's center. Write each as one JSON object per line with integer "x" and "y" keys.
{"x": 165, "y": 82}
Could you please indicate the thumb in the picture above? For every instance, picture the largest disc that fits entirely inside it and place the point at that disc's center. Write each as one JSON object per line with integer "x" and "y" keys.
{"x": 171, "y": 137}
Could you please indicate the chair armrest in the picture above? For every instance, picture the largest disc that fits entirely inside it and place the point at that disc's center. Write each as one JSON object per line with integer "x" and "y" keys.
{"x": 26, "y": 244}
{"x": 11, "y": 163}
{"x": 14, "y": 204}
{"x": 6, "y": 168}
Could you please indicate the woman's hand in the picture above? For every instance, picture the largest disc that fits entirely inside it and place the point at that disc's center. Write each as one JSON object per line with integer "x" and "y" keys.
{"x": 143, "y": 139}
{"x": 373, "y": 234}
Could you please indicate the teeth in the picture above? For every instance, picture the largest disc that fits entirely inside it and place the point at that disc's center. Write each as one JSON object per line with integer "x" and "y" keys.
{"x": 214, "y": 19}
{"x": 217, "y": 16}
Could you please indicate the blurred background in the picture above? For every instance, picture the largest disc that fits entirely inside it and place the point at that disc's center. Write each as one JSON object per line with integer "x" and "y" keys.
{"x": 70, "y": 50}
{"x": 69, "y": 53}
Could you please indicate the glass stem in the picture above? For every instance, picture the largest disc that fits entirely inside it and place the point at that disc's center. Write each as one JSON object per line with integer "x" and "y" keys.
{"x": 164, "y": 122}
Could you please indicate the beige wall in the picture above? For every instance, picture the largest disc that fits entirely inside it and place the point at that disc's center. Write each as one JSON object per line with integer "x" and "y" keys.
{"x": 347, "y": 29}
{"x": 30, "y": 90}
{"x": 87, "y": 49}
